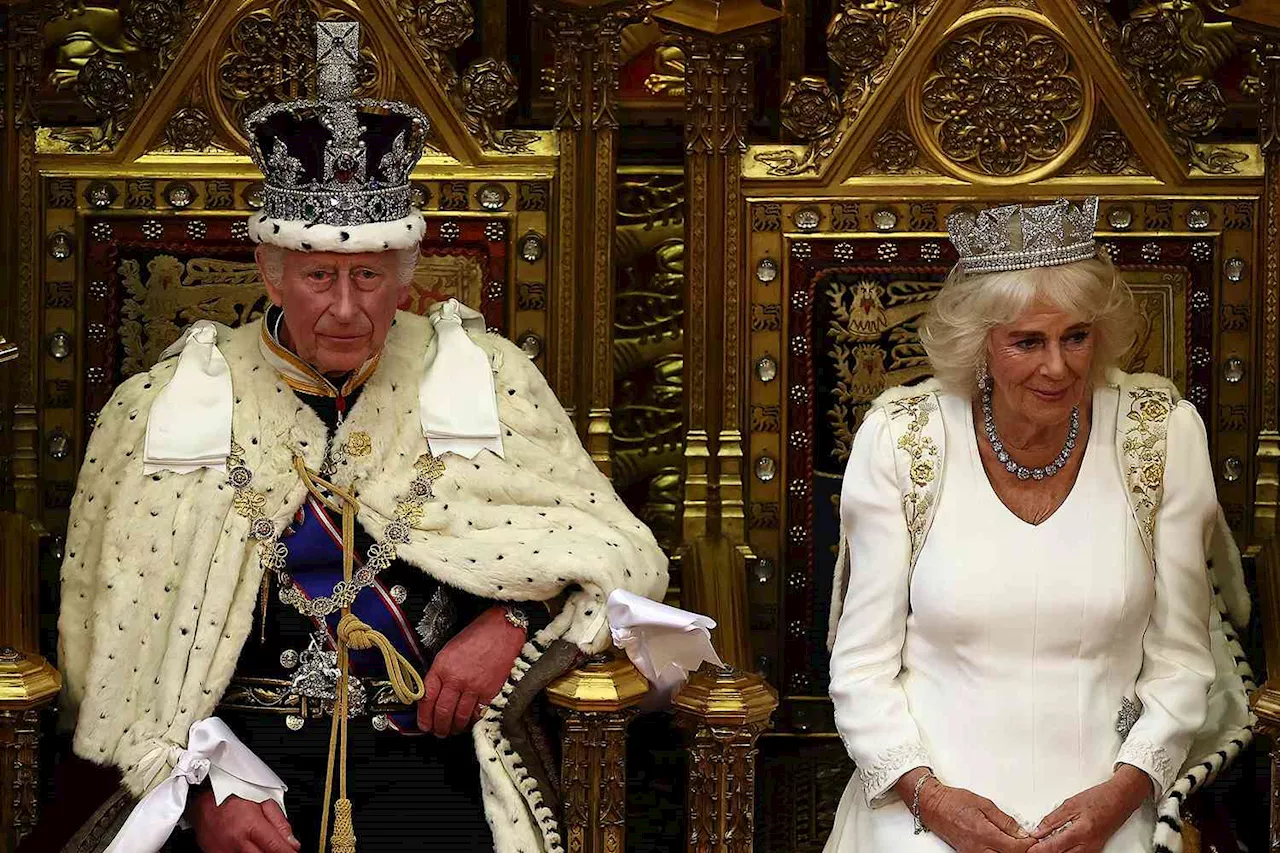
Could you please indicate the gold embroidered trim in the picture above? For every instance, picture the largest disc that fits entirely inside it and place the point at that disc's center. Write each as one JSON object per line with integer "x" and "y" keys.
{"x": 1144, "y": 445}
{"x": 923, "y": 464}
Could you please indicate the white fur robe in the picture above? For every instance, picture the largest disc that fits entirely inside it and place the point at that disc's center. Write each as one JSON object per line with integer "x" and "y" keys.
{"x": 161, "y": 576}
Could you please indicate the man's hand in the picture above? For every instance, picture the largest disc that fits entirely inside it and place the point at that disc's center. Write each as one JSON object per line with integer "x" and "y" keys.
{"x": 239, "y": 826}
{"x": 1086, "y": 822}
{"x": 967, "y": 822}
{"x": 469, "y": 670}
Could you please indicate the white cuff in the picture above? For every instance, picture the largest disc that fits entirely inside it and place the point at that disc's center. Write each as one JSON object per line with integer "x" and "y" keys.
{"x": 888, "y": 767}
{"x": 212, "y": 752}
{"x": 1152, "y": 759}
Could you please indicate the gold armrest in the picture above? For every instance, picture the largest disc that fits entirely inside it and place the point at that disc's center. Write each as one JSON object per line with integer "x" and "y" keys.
{"x": 28, "y": 682}
{"x": 597, "y": 701}
{"x": 723, "y": 710}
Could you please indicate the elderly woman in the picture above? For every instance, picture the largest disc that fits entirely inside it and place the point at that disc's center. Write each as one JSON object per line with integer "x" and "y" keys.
{"x": 1024, "y": 657}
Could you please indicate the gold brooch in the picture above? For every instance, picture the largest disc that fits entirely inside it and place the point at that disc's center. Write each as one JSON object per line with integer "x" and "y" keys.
{"x": 358, "y": 444}
{"x": 429, "y": 466}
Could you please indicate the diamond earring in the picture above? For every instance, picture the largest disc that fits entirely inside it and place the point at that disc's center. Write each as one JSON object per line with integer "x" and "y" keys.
{"x": 984, "y": 378}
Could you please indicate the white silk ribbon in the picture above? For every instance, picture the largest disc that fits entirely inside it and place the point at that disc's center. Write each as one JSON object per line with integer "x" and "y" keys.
{"x": 189, "y": 426}
{"x": 456, "y": 400}
{"x": 213, "y": 752}
{"x": 665, "y": 643}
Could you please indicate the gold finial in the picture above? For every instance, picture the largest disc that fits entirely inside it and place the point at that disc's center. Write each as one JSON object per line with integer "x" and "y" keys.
{"x": 726, "y": 696}
{"x": 603, "y": 683}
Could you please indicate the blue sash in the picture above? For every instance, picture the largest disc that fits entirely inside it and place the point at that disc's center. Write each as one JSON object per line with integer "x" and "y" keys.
{"x": 315, "y": 564}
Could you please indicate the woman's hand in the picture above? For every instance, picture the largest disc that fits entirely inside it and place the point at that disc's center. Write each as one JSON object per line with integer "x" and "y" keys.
{"x": 469, "y": 670}
{"x": 239, "y": 826}
{"x": 1084, "y": 823}
{"x": 967, "y": 822}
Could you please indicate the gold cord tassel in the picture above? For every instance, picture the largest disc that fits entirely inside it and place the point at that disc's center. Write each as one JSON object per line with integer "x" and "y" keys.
{"x": 352, "y": 634}
{"x": 344, "y": 834}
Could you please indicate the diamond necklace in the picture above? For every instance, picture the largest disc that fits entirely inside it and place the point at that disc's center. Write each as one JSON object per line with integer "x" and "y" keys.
{"x": 1010, "y": 465}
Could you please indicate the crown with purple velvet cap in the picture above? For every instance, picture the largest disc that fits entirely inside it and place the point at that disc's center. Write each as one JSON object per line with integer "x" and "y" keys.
{"x": 337, "y": 167}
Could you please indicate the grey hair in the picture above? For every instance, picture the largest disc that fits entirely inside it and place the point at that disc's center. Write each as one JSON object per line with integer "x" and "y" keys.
{"x": 955, "y": 329}
{"x": 271, "y": 257}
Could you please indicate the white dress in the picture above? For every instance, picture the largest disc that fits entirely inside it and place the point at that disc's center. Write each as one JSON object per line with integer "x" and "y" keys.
{"x": 1002, "y": 660}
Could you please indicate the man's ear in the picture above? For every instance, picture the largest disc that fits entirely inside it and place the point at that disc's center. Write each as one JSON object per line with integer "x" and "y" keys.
{"x": 273, "y": 283}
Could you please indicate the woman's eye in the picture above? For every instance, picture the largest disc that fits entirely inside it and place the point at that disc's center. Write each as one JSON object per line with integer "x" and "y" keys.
{"x": 1078, "y": 337}
{"x": 1027, "y": 345}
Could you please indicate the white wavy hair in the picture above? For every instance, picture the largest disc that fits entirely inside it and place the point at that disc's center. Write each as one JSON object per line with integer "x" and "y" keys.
{"x": 273, "y": 262}
{"x": 955, "y": 329}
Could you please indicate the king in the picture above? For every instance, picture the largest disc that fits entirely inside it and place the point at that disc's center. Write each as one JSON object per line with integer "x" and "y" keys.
{"x": 309, "y": 556}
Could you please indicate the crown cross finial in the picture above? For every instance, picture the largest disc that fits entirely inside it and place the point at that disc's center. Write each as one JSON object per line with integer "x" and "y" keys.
{"x": 337, "y": 52}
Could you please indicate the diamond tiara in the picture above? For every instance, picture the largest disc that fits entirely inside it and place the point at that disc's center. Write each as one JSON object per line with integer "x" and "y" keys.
{"x": 1020, "y": 237}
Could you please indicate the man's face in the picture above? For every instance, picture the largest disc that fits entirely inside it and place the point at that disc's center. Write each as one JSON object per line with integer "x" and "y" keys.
{"x": 337, "y": 307}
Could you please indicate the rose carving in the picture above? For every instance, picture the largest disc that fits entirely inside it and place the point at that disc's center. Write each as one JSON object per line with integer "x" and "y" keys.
{"x": 895, "y": 152}
{"x": 1110, "y": 153}
{"x": 1195, "y": 107}
{"x": 857, "y": 41}
{"x": 1149, "y": 41}
{"x": 105, "y": 86}
{"x": 189, "y": 130}
{"x": 443, "y": 24}
{"x": 488, "y": 88}
{"x": 152, "y": 23}
{"x": 810, "y": 109}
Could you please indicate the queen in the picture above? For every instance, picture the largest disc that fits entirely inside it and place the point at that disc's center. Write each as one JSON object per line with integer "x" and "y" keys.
{"x": 1026, "y": 652}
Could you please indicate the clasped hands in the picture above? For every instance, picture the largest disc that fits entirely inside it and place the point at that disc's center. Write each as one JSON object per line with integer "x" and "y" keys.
{"x": 973, "y": 824}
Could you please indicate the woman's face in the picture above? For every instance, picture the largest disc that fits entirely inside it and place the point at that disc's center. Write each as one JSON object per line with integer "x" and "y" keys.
{"x": 1040, "y": 363}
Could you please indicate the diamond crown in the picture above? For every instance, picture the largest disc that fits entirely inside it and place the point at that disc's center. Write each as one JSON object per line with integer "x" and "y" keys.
{"x": 337, "y": 160}
{"x": 1019, "y": 237}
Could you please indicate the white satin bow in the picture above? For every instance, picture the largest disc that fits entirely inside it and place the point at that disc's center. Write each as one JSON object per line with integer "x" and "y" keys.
{"x": 189, "y": 426}
{"x": 213, "y": 752}
{"x": 456, "y": 399}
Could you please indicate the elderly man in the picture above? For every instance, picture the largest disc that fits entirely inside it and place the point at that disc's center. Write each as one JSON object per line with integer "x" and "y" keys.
{"x": 307, "y": 555}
